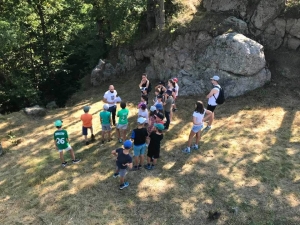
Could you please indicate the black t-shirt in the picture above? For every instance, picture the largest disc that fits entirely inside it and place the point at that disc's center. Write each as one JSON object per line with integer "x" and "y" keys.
{"x": 122, "y": 158}
{"x": 155, "y": 140}
{"x": 139, "y": 136}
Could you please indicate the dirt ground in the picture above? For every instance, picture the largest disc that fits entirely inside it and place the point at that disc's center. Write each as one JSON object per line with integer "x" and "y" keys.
{"x": 247, "y": 167}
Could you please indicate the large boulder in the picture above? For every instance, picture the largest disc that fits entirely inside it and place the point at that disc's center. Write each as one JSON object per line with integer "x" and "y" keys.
{"x": 97, "y": 73}
{"x": 35, "y": 111}
{"x": 235, "y": 54}
{"x": 265, "y": 13}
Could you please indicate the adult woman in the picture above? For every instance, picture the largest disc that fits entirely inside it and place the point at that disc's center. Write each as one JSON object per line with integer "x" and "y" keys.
{"x": 200, "y": 114}
{"x": 171, "y": 87}
{"x": 145, "y": 85}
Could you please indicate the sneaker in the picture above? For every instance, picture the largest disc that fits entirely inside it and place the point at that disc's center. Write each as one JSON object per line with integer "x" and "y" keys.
{"x": 195, "y": 147}
{"x": 206, "y": 128}
{"x": 152, "y": 167}
{"x": 135, "y": 168}
{"x": 149, "y": 167}
{"x": 125, "y": 185}
{"x": 140, "y": 166}
{"x": 146, "y": 166}
{"x": 76, "y": 160}
{"x": 64, "y": 164}
{"x": 120, "y": 140}
{"x": 116, "y": 175}
{"x": 186, "y": 150}
{"x": 87, "y": 143}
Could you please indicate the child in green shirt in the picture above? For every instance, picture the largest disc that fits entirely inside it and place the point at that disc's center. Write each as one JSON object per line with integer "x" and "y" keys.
{"x": 105, "y": 123}
{"x": 123, "y": 122}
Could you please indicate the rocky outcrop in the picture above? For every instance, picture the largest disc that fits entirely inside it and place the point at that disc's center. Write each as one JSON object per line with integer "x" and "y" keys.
{"x": 51, "y": 105}
{"x": 225, "y": 5}
{"x": 35, "y": 111}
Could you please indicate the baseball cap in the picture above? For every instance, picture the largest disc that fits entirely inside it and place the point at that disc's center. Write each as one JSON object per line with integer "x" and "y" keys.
{"x": 141, "y": 120}
{"x": 159, "y": 126}
{"x": 152, "y": 108}
{"x": 175, "y": 79}
{"x": 215, "y": 77}
{"x": 106, "y": 106}
{"x": 86, "y": 108}
{"x": 159, "y": 106}
{"x": 143, "y": 106}
{"x": 169, "y": 92}
{"x": 127, "y": 144}
{"x": 160, "y": 115}
{"x": 58, "y": 123}
{"x": 159, "y": 96}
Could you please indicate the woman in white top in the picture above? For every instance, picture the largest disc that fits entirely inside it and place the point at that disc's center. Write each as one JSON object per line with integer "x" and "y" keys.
{"x": 199, "y": 116}
{"x": 144, "y": 85}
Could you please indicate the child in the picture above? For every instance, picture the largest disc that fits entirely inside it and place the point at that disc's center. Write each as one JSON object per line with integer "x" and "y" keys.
{"x": 144, "y": 100}
{"x": 61, "y": 140}
{"x": 143, "y": 112}
{"x": 124, "y": 160}
{"x": 139, "y": 136}
{"x": 176, "y": 93}
{"x": 123, "y": 122}
{"x": 159, "y": 108}
{"x": 159, "y": 100}
{"x": 151, "y": 118}
{"x": 86, "y": 119}
{"x": 154, "y": 147}
{"x": 200, "y": 114}
{"x": 167, "y": 108}
{"x": 159, "y": 118}
{"x": 105, "y": 122}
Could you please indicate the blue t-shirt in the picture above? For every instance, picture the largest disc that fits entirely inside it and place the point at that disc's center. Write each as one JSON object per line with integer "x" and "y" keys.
{"x": 122, "y": 158}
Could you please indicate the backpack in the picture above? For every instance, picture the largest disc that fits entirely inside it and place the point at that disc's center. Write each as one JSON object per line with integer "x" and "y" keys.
{"x": 221, "y": 98}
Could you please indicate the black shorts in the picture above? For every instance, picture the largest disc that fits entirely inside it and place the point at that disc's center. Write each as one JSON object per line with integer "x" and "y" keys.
{"x": 211, "y": 107}
{"x": 153, "y": 153}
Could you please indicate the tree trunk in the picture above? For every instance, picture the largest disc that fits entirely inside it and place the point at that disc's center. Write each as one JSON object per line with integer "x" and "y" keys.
{"x": 162, "y": 21}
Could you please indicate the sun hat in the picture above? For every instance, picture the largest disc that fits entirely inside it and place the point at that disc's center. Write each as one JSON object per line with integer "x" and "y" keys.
{"x": 159, "y": 126}
{"x": 215, "y": 77}
{"x": 58, "y": 123}
{"x": 86, "y": 108}
{"x": 152, "y": 108}
{"x": 141, "y": 120}
{"x": 159, "y": 106}
{"x": 127, "y": 144}
{"x": 175, "y": 79}
{"x": 169, "y": 92}
{"x": 105, "y": 106}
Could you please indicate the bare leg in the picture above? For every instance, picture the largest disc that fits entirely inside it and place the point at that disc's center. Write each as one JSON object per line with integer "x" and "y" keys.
{"x": 148, "y": 160}
{"x": 154, "y": 162}
{"x": 92, "y": 131}
{"x": 103, "y": 135}
{"x": 72, "y": 154}
{"x": 61, "y": 156}
{"x": 198, "y": 137}
{"x": 124, "y": 134}
{"x": 85, "y": 138}
{"x": 190, "y": 138}
{"x": 141, "y": 159}
{"x": 118, "y": 134}
{"x": 136, "y": 160}
{"x": 211, "y": 119}
{"x": 122, "y": 179}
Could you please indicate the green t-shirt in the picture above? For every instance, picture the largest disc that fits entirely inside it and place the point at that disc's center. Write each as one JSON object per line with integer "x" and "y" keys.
{"x": 61, "y": 136}
{"x": 105, "y": 116}
{"x": 123, "y": 114}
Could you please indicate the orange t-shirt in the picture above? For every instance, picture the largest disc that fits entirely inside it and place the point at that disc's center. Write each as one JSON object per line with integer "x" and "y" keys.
{"x": 86, "y": 120}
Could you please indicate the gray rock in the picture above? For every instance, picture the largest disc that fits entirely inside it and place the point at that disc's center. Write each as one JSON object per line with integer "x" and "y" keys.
{"x": 51, "y": 105}
{"x": 35, "y": 111}
{"x": 236, "y": 54}
{"x": 265, "y": 13}
{"x": 293, "y": 43}
{"x": 236, "y": 24}
{"x": 225, "y": 5}
{"x": 273, "y": 35}
{"x": 97, "y": 73}
{"x": 293, "y": 27}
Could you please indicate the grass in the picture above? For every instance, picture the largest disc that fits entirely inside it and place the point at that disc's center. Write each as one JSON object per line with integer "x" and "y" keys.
{"x": 249, "y": 160}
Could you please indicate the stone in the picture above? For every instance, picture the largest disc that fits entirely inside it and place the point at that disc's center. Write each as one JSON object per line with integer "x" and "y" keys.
{"x": 273, "y": 36}
{"x": 293, "y": 43}
{"x": 225, "y": 5}
{"x": 265, "y": 13}
{"x": 293, "y": 27}
{"x": 97, "y": 73}
{"x": 236, "y": 54}
{"x": 51, "y": 105}
{"x": 236, "y": 24}
{"x": 35, "y": 111}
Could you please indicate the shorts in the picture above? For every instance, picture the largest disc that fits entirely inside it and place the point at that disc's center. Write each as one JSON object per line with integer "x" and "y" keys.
{"x": 106, "y": 127}
{"x": 211, "y": 107}
{"x": 66, "y": 149}
{"x": 197, "y": 128}
{"x": 122, "y": 126}
{"x": 153, "y": 153}
{"x": 122, "y": 172}
{"x": 139, "y": 149}
{"x": 85, "y": 130}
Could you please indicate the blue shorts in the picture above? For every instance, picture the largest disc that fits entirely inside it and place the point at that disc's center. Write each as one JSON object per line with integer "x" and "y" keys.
{"x": 85, "y": 130}
{"x": 139, "y": 149}
{"x": 197, "y": 128}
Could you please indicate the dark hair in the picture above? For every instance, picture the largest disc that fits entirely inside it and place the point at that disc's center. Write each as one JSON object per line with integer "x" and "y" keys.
{"x": 145, "y": 97}
{"x": 172, "y": 82}
{"x": 199, "y": 107}
{"x": 144, "y": 74}
{"x": 58, "y": 127}
{"x": 152, "y": 113}
{"x": 123, "y": 105}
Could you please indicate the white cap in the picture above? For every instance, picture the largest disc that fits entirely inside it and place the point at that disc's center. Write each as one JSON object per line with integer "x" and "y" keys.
{"x": 215, "y": 77}
{"x": 105, "y": 106}
{"x": 152, "y": 108}
{"x": 141, "y": 120}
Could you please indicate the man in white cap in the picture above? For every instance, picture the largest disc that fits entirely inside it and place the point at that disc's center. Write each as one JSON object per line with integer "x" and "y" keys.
{"x": 212, "y": 96}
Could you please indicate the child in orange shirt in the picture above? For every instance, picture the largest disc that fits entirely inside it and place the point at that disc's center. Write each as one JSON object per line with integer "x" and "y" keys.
{"x": 87, "y": 124}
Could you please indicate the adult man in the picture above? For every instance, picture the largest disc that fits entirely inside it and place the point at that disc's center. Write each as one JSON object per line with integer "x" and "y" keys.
{"x": 167, "y": 107}
{"x": 212, "y": 96}
{"x": 110, "y": 98}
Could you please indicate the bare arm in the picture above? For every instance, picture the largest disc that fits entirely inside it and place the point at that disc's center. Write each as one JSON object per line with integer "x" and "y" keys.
{"x": 212, "y": 92}
{"x": 55, "y": 145}
{"x": 207, "y": 116}
{"x": 114, "y": 153}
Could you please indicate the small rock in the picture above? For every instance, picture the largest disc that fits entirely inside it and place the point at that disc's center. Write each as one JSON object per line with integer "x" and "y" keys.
{"x": 35, "y": 111}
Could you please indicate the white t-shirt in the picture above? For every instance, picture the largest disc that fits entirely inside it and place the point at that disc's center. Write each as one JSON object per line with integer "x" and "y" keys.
{"x": 212, "y": 99}
{"x": 144, "y": 114}
{"x": 176, "y": 89}
{"x": 199, "y": 117}
{"x": 110, "y": 97}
